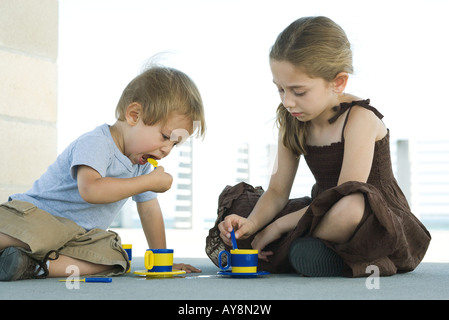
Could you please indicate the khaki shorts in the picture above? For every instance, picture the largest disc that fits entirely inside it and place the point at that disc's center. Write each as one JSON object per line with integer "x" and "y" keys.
{"x": 44, "y": 232}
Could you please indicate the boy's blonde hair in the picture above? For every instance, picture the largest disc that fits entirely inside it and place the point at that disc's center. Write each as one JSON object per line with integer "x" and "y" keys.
{"x": 318, "y": 46}
{"x": 161, "y": 91}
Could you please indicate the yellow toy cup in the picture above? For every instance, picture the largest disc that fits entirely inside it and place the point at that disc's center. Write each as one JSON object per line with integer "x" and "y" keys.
{"x": 129, "y": 251}
{"x": 159, "y": 260}
{"x": 240, "y": 260}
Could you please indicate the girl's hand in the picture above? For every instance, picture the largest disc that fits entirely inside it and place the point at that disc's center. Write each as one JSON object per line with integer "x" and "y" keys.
{"x": 160, "y": 180}
{"x": 271, "y": 233}
{"x": 243, "y": 228}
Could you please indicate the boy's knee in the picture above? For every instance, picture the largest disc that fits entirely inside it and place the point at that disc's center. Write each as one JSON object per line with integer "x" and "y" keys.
{"x": 8, "y": 241}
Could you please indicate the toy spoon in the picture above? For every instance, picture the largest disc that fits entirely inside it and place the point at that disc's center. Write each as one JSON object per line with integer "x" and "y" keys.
{"x": 105, "y": 280}
{"x": 234, "y": 241}
{"x": 153, "y": 162}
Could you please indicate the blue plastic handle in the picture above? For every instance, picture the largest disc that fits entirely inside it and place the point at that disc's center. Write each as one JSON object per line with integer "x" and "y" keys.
{"x": 234, "y": 242}
{"x": 228, "y": 262}
{"x": 98, "y": 279}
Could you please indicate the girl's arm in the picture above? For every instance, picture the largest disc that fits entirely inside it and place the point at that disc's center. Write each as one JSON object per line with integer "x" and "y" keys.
{"x": 279, "y": 188}
{"x": 94, "y": 188}
{"x": 275, "y": 230}
{"x": 363, "y": 129}
{"x": 270, "y": 203}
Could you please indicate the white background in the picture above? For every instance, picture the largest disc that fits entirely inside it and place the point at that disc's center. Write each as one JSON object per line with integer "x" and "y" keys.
{"x": 400, "y": 57}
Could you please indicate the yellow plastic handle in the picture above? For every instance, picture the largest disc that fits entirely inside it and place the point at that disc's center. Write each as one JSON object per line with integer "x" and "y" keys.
{"x": 152, "y": 161}
{"x": 149, "y": 260}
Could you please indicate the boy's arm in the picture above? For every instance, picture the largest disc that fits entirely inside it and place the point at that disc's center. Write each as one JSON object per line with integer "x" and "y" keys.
{"x": 153, "y": 226}
{"x": 94, "y": 188}
{"x": 152, "y": 223}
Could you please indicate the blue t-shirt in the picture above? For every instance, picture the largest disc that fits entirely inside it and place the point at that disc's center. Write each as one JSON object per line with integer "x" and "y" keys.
{"x": 56, "y": 191}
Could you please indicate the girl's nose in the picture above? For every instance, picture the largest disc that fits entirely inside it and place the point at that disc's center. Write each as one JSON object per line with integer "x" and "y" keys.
{"x": 287, "y": 100}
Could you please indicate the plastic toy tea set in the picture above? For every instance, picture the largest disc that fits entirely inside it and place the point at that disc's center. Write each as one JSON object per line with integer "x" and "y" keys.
{"x": 240, "y": 263}
{"x": 159, "y": 264}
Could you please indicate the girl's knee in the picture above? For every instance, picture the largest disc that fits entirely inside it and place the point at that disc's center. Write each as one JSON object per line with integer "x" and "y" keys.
{"x": 342, "y": 219}
{"x": 349, "y": 209}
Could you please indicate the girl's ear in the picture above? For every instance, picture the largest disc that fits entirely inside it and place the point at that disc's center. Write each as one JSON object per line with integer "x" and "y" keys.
{"x": 340, "y": 82}
{"x": 133, "y": 113}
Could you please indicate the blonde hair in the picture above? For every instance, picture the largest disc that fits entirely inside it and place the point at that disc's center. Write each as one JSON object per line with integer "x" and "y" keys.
{"x": 320, "y": 47}
{"x": 161, "y": 91}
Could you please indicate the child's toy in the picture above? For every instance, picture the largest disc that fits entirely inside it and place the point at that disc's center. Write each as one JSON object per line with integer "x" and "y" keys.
{"x": 159, "y": 260}
{"x": 129, "y": 250}
{"x": 168, "y": 274}
{"x": 103, "y": 280}
{"x": 234, "y": 242}
{"x": 159, "y": 264}
{"x": 152, "y": 162}
{"x": 243, "y": 263}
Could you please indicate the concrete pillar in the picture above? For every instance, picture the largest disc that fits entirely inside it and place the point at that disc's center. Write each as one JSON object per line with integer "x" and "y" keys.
{"x": 28, "y": 91}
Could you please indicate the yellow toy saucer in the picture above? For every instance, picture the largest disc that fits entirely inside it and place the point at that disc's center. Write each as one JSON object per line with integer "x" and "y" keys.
{"x": 167, "y": 274}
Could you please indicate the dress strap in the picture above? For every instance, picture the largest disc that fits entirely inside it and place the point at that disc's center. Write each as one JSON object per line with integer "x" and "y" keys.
{"x": 347, "y": 105}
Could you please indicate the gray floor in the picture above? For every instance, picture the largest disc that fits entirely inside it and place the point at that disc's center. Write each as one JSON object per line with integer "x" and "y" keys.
{"x": 428, "y": 281}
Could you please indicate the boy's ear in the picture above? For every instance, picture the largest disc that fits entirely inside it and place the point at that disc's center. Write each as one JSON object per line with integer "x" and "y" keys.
{"x": 133, "y": 113}
{"x": 340, "y": 82}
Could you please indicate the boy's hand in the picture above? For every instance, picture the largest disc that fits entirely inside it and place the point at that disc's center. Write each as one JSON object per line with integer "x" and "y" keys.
{"x": 186, "y": 267}
{"x": 160, "y": 180}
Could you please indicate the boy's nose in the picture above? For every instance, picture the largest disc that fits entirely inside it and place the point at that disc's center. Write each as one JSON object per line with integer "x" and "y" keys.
{"x": 166, "y": 150}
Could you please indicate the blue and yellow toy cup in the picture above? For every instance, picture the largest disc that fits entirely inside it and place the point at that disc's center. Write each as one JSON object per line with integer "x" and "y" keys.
{"x": 240, "y": 260}
{"x": 129, "y": 250}
{"x": 159, "y": 260}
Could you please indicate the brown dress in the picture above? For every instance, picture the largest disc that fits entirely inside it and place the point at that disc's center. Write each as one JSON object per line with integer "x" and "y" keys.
{"x": 389, "y": 235}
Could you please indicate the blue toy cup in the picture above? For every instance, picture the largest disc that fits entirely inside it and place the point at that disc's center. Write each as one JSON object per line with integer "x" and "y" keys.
{"x": 239, "y": 260}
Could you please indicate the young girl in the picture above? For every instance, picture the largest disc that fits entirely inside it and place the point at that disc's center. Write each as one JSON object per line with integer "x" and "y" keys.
{"x": 61, "y": 220}
{"x": 357, "y": 216}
